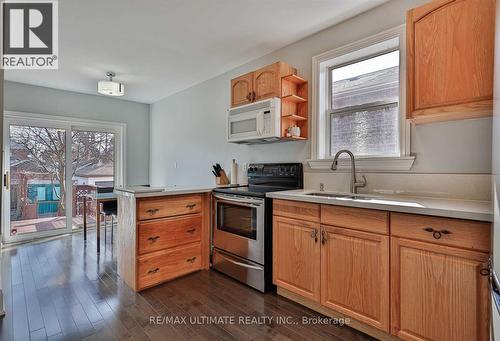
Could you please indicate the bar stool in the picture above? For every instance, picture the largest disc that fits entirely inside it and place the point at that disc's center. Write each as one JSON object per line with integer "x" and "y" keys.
{"x": 109, "y": 208}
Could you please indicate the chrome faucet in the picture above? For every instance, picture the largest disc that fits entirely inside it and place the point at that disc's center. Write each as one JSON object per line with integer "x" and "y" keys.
{"x": 354, "y": 183}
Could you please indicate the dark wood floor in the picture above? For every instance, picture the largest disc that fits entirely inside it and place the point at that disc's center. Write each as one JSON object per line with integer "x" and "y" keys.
{"x": 60, "y": 290}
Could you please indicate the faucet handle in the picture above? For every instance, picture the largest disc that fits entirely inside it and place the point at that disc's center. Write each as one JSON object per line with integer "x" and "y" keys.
{"x": 361, "y": 183}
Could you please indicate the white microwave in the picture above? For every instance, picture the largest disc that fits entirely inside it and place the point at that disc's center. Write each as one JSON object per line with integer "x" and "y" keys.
{"x": 257, "y": 122}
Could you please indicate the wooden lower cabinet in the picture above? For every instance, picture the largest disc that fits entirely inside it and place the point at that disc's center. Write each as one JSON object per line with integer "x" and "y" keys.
{"x": 157, "y": 267}
{"x": 438, "y": 292}
{"x": 161, "y": 238}
{"x": 165, "y": 233}
{"x": 296, "y": 261}
{"x": 355, "y": 275}
{"x": 395, "y": 278}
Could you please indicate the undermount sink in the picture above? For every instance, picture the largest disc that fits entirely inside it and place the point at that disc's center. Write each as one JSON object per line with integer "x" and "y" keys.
{"x": 340, "y": 196}
{"x": 357, "y": 197}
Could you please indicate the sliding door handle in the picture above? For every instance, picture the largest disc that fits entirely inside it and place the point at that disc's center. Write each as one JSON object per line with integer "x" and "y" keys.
{"x": 6, "y": 180}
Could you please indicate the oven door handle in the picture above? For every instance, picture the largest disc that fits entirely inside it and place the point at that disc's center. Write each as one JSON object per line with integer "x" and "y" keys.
{"x": 240, "y": 264}
{"x": 244, "y": 202}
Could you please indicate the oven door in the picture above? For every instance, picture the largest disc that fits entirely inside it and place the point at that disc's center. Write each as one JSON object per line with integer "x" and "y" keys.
{"x": 239, "y": 226}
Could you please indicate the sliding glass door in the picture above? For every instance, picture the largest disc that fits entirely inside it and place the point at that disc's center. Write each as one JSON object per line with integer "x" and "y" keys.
{"x": 35, "y": 181}
{"x": 93, "y": 168}
{"x": 50, "y": 165}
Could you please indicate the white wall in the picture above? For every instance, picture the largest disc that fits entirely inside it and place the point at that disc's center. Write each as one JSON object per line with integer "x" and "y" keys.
{"x": 41, "y": 100}
{"x": 189, "y": 128}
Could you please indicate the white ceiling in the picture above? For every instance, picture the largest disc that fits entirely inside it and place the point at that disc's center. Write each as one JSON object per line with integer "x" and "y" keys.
{"x": 159, "y": 47}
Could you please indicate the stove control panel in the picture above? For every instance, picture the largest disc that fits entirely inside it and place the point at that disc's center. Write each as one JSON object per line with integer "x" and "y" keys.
{"x": 279, "y": 170}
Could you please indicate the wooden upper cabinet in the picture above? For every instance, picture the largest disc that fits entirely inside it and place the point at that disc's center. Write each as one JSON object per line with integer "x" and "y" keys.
{"x": 355, "y": 275}
{"x": 450, "y": 60}
{"x": 260, "y": 84}
{"x": 438, "y": 292}
{"x": 296, "y": 256}
{"x": 241, "y": 90}
{"x": 267, "y": 80}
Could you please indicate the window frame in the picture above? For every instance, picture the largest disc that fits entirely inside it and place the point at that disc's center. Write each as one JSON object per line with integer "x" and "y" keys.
{"x": 379, "y": 44}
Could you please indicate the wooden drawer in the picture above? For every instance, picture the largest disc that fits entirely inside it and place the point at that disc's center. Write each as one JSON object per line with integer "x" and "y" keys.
{"x": 168, "y": 206}
{"x": 157, "y": 267}
{"x": 296, "y": 210}
{"x": 166, "y": 233}
{"x": 467, "y": 234}
{"x": 362, "y": 219}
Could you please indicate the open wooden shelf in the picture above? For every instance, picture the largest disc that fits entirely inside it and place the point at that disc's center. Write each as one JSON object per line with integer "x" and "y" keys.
{"x": 294, "y": 138}
{"x": 295, "y": 117}
{"x": 294, "y": 99}
{"x": 294, "y": 79}
{"x": 294, "y": 107}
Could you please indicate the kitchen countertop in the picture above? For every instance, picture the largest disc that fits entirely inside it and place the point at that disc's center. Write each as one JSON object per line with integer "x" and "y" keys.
{"x": 451, "y": 208}
{"x": 147, "y": 192}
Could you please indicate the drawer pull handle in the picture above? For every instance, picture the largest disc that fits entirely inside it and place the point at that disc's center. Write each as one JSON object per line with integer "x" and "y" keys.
{"x": 153, "y": 239}
{"x": 191, "y": 260}
{"x": 191, "y": 230}
{"x": 436, "y": 233}
{"x": 153, "y": 211}
{"x": 191, "y": 206}
{"x": 153, "y": 271}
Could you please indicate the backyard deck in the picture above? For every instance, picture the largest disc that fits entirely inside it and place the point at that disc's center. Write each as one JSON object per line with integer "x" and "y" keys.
{"x": 47, "y": 224}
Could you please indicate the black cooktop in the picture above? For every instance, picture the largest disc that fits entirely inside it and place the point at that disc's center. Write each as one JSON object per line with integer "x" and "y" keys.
{"x": 253, "y": 191}
{"x": 268, "y": 177}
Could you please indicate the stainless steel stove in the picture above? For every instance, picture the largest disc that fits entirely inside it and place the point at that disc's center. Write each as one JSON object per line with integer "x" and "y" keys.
{"x": 242, "y": 224}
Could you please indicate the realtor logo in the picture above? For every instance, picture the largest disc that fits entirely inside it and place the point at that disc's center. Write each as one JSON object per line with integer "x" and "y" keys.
{"x": 30, "y": 34}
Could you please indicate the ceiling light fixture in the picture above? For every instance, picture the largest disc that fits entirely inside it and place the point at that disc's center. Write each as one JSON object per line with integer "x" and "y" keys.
{"x": 110, "y": 88}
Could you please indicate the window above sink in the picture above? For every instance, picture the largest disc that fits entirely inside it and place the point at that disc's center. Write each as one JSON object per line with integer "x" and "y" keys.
{"x": 358, "y": 104}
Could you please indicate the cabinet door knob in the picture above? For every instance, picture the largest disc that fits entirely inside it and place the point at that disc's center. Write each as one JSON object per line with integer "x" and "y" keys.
{"x": 191, "y": 230}
{"x": 254, "y": 95}
{"x": 314, "y": 234}
{"x": 324, "y": 237}
{"x": 191, "y": 260}
{"x": 190, "y": 206}
{"x": 484, "y": 272}
{"x": 249, "y": 96}
{"x": 153, "y": 239}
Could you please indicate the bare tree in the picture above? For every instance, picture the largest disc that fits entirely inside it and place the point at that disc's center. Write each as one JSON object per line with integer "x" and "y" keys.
{"x": 46, "y": 149}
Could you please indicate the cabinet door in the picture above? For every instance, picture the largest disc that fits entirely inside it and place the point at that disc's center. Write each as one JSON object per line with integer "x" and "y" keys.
{"x": 296, "y": 256}
{"x": 355, "y": 275}
{"x": 267, "y": 82}
{"x": 438, "y": 292}
{"x": 450, "y": 59}
{"x": 241, "y": 90}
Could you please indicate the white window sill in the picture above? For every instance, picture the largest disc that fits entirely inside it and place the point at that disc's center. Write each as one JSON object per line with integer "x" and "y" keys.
{"x": 373, "y": 164}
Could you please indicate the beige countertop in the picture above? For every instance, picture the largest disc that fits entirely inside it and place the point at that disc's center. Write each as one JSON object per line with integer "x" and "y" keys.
{"x": 147, "y": 192}
{"x": 451, "y": 208}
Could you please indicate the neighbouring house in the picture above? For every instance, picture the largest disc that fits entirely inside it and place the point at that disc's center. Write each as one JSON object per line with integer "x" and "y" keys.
{"x": 36, "y": 193}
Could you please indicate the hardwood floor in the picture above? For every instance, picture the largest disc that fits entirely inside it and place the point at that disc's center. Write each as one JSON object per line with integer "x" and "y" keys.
{"x": 60, "y": 290}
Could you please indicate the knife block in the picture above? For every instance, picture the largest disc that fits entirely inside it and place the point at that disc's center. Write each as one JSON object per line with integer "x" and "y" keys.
{"x": 222, "y": 179}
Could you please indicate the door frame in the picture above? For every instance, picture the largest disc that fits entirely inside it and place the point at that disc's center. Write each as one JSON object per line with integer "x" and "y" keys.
{"x": 69, "y": 124}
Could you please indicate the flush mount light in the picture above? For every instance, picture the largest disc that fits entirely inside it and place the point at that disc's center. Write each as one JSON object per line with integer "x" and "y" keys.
{"x": 110, "y": 88}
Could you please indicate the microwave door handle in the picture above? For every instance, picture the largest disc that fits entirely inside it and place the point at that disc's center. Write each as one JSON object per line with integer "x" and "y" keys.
{"x": 260, "y": 123}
